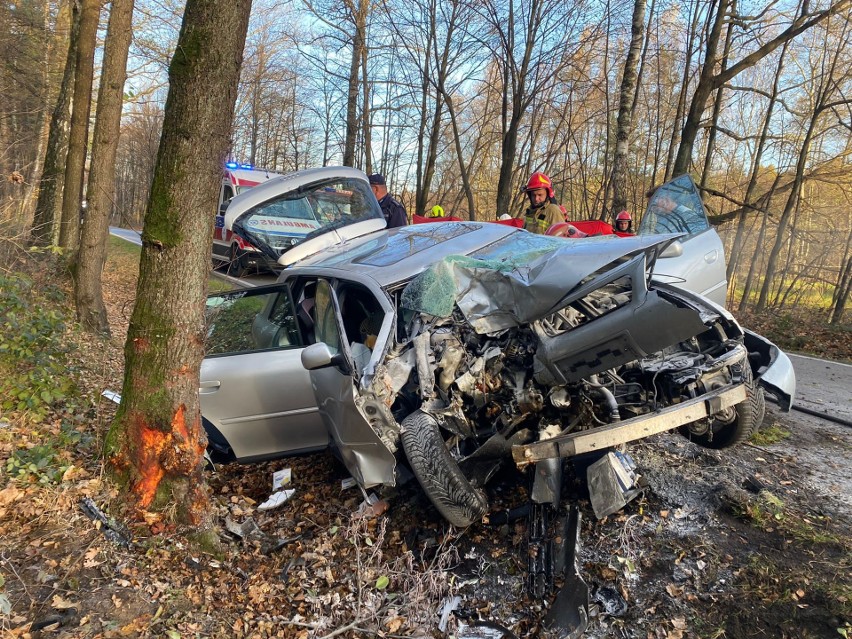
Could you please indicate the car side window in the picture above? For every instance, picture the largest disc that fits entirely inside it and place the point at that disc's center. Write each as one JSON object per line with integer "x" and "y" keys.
{"x": 327, "y": 329}
{"x": 675, "y": 207}
{"x": 249, "y": 321}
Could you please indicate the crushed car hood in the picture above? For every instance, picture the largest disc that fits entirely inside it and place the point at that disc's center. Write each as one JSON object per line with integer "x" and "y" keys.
{"x": 521, "y": 278}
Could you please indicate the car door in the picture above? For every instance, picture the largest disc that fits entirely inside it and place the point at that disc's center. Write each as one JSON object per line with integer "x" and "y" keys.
{"x": 335, "y": 388}
{"x": 696, "y": 261}
{"x": 254, "y": 390}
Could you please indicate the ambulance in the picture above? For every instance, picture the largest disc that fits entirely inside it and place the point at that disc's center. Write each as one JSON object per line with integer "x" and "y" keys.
{"x": 228, "y": 248}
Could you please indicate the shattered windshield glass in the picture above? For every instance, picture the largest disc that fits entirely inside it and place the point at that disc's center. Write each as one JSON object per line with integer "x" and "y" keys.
{"x": 514, "y": 281}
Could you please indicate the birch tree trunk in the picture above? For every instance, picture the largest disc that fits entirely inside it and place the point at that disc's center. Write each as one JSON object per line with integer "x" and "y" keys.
{"x": 626, "y": 102}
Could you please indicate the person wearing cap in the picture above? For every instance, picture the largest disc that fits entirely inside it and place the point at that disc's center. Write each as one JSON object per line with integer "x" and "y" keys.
{"x": 543, "y": 212}
{"x": 393, "y": 211}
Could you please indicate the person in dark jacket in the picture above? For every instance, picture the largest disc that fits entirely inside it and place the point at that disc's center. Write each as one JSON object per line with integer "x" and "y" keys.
{"x": 394, "y": 212}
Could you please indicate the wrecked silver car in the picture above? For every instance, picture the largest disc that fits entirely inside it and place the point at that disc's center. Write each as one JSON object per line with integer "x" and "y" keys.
{"x": 453, "y": 348}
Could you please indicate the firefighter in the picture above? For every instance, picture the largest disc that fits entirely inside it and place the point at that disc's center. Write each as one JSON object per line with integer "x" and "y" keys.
{"x": 437, "y": 211}
{"x": 624, "y": 224}
{"x": 542, "y": 212}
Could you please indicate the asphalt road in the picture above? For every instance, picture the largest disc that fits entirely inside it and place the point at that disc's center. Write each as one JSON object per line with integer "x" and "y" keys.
{"x": 823, "y": 387}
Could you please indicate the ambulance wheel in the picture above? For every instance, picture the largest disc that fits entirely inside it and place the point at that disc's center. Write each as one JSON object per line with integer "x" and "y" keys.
{"x": 236, "y": 262}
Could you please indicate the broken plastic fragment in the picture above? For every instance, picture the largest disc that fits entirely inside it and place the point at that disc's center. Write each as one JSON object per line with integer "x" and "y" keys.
{"x": 349, "y": 482}
{"x": 277, "y": 498}
{"x": 612, "y": 484}
{"x": 112, "y": 396}
{"x": 449, "y": 606}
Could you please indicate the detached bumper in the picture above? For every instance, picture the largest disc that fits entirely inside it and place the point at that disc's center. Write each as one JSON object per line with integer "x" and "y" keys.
{"x": 629, "y": 430}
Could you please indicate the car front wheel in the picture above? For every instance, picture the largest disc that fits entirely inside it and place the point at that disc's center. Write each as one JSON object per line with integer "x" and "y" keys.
{"x": 734, "y": 425}
{"x": 438, "y": 473}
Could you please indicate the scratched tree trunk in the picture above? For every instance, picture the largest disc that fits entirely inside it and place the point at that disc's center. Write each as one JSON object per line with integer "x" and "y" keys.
{"x": 156, "y": 444}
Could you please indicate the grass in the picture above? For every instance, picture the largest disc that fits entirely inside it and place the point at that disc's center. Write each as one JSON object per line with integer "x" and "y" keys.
{"x": 768, "y": 435}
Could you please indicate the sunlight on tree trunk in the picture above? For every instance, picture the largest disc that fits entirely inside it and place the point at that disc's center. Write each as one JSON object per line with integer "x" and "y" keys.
{"x": 92, "y": 254}
{"x": 69, "y": 225}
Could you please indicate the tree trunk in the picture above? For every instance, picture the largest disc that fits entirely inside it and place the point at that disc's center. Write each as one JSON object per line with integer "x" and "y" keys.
{"x": 684, "y": 89}
{"x": 842, "y": 298}
{"x": 69, "y": 226}
{"x": 48, "y": 205}
{"x": 626, "y": 101}
{"x": 90, "y": 259}
{"x": 786, "y": 215}
{"x": 366, "y": 113}
{"x": 739, "y": 238}
{"x": 717, "y": 107}
{"x": 359, "y": 15}
{"x": 468, "y": 190}
{"x": 156, "y": 443}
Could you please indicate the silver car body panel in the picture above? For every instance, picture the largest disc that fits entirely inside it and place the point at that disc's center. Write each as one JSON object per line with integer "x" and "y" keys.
{"x": 262, "y": 402}
{"x": 366, "y": 456}
{"x": 677, "y": 207}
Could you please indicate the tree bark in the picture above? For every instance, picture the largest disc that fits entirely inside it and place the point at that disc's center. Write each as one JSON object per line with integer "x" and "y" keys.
{"x": 359, "y": 16}
{"x": 717, "y": 107}
{"x": 844, "y": 286}
{"x": 91, "y": 311}
{"x": 156, "y": 443}
{"x": 366, "y": 113}
{"x": 48, "y": 205}
{"x": 69, "y": 225}
{"x": 625, "y": 109}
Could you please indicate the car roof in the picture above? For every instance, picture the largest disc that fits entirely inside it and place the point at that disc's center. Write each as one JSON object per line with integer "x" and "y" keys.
{"x": 396, "y": 255}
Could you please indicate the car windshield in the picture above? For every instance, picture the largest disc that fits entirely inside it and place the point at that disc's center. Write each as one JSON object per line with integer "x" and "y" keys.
{"x": 675, "y": 207}
{"x": 309, "y": 211}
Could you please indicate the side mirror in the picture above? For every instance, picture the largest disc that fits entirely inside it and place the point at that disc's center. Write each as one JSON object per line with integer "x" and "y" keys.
{"x": 319, "y": 355}
{"x": 675, "y": 249}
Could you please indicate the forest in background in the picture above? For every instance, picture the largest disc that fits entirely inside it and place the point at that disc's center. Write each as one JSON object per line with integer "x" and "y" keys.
{"x": 458, "y": 102}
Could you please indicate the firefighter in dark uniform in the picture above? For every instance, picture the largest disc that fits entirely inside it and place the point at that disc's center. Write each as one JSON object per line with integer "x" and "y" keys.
{"x": 393, "y": 211}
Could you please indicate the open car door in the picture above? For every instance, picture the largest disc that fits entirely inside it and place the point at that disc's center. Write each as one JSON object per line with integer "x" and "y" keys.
{"x": 303, "y": 213}
{"x": 335, "y": 363}
{"x": 696, "y": 261}
{"x": 256, "y": 396}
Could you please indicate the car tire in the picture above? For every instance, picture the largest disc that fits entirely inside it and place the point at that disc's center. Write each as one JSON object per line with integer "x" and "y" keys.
{"x": 745, "y": 420}
{"x": 236, "y": 263}
{"x": 438, "y": 473}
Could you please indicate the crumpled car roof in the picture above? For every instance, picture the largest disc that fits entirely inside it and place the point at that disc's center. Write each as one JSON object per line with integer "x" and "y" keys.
{"x": 518, "y": 279}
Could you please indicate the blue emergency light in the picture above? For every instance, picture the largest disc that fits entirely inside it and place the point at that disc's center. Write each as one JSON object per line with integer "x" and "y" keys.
{"x": 247, "y": 166}
{"x": 231, "y": 165}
